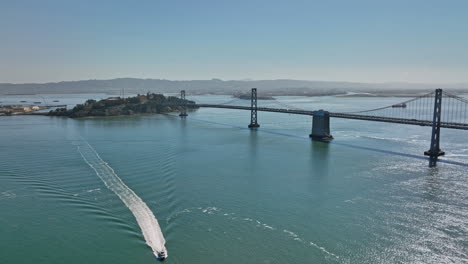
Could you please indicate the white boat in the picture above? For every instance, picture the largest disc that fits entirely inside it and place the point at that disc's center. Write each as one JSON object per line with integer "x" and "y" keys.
{"x": 161, "y": 255}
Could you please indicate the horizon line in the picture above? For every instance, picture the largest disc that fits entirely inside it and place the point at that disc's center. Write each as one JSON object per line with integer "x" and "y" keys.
{"x": 239, "y": 80}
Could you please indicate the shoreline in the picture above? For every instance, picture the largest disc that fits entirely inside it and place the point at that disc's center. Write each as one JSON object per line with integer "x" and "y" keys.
{"x": 90, "y": 117}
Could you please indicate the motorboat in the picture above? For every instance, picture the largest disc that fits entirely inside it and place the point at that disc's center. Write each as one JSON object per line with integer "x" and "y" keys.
{"x": 402, "y": 105}
{"x": 161, "y": 255}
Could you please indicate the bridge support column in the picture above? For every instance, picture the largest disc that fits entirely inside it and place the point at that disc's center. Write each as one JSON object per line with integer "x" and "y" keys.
{"x": 321, "y": 126}
{"x": 183, "y": 113}
{"x": 434, "y": 151}
{"x": 253, "y": 109}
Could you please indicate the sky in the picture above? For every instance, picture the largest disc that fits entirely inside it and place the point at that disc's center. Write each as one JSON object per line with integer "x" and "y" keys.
{"x": 422, "y": 41}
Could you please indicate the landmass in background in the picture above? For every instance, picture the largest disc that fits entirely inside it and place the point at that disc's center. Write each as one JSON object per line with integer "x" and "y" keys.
{"x": 233, "y": 87}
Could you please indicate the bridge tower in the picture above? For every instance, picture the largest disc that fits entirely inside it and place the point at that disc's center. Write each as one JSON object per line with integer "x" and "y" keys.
{"x": 253, "y": 109}
{"x": 321, "y": 126}
{"x": 183, "y": 113}
{"x": 434, "y": 151}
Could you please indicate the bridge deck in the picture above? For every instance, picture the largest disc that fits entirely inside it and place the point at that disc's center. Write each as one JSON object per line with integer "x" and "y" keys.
{"x": 344, "y": 115}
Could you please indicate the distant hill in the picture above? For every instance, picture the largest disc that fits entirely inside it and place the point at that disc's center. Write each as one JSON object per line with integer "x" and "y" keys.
{"x": 217, "y": 86}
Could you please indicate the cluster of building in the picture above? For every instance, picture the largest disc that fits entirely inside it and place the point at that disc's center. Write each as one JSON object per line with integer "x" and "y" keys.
{"x": 18, "y": 109}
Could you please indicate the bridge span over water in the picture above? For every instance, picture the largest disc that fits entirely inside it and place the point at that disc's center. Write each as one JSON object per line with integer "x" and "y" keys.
{"x": 343, "y": 115}
{"x": 438, "y": 109}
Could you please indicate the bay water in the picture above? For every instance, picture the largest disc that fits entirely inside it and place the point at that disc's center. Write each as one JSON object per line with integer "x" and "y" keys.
{"x": 222, "y": 193}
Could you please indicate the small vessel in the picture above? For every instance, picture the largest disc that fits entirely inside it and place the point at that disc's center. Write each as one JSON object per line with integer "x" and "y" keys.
{"x": 402, "y": 105}
{"x": 161, "y": 255}
{"x": 23, "y": 101}
{"x": 56, "y": 101}
{"x": 37, "y": 102}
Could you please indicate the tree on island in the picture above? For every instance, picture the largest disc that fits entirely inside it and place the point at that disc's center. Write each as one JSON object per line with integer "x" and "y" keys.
{"x": 115, "y": 106}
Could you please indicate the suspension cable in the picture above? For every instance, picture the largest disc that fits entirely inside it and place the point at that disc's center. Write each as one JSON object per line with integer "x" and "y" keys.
{"x": 405, "y": 102}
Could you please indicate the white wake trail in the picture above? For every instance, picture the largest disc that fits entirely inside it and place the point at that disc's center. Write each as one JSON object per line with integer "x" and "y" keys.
{"x": 144, "y": 216}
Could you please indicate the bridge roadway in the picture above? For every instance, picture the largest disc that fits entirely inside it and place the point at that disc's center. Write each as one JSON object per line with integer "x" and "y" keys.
{"x": 343, "y": 115}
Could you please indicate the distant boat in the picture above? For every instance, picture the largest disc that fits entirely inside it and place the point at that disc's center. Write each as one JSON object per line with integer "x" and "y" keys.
{"x": 56, "y": 101}
{"x": 23, "y": 101}
{"x": 403, "y": 105}
{"x": 37, "y": 102}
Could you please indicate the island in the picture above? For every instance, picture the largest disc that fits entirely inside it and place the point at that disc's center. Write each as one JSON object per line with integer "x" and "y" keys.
{"x": 116, "y": 106}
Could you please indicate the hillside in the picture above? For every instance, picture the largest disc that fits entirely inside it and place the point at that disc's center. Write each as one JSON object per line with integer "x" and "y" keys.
{"x": 216, "y": 86}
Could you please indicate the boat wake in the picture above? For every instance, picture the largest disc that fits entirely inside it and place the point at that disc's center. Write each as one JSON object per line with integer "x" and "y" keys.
{"x": 215, "y": 211}
{"x": 144, "y": 216}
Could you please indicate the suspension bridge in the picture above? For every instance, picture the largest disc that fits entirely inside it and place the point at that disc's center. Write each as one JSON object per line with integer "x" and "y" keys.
{"x": 438, "y": 109}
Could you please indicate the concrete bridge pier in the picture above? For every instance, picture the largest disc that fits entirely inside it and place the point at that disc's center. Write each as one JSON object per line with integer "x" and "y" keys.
{"x": 321, "y": 126}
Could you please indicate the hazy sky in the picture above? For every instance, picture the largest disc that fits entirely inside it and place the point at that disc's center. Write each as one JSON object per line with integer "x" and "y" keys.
{"x": 347, "y": 40}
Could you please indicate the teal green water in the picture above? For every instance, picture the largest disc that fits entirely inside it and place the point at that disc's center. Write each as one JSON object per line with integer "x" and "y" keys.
{"x": 225, "y": 194}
